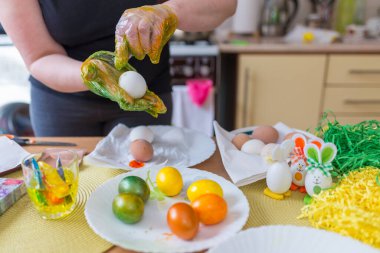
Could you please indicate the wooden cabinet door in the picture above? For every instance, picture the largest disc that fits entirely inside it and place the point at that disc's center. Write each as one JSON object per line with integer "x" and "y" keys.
{"x": 285, "y": 88}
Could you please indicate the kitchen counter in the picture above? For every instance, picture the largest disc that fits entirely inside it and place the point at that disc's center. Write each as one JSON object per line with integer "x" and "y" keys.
{"x": 277, "y": 46}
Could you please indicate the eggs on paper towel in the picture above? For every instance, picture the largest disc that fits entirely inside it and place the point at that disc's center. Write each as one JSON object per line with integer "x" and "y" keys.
{"x": 141, "y": 148}
{"x": 256, "y": 143}
{"x": 133, "y": 83}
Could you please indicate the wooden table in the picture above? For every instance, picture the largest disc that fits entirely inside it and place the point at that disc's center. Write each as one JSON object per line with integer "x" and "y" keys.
{"x": 213, "y": 164}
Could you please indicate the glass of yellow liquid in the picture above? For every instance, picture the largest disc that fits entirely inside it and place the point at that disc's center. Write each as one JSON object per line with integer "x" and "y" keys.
{"x": 51, "y": 179}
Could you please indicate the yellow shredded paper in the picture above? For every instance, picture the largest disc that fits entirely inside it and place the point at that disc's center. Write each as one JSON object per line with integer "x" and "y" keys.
{"x": 351, "y": 209}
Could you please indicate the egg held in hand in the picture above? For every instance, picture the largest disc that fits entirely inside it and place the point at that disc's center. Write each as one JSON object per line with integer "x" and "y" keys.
{"x": 143, "y": 133}
{"x": 239, "y": 140}
{"x": 133, "y": 83}
{"x": 266, "y": 134}
{"x": 141, "y": 150}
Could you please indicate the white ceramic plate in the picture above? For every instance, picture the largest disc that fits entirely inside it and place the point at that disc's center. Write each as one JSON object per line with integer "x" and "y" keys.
{"x": 152, "y": 234}
{"x": 290, "y": 239}
{"x": 172, "y": 145}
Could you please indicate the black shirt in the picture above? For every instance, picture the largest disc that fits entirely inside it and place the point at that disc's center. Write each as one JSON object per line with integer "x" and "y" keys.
{"x": 83, "y": 27}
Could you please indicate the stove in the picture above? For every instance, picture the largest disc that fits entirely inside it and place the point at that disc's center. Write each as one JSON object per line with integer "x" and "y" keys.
{"x": 195, "y": 60}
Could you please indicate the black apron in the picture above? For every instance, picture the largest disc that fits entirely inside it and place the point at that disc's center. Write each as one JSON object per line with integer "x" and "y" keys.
{"x": 83, "y": 27}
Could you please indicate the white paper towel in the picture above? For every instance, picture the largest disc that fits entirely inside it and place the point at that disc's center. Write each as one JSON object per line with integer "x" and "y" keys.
{"x": 247, "y": 16}
{"x": 245, "y": 168}
{"x": 186, "y": 114}
{"x": 172, "y": 146}
{"x": 11, "y": 154}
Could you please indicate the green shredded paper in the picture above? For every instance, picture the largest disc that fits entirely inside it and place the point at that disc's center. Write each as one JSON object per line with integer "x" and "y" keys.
{"x": 358, "y": 144}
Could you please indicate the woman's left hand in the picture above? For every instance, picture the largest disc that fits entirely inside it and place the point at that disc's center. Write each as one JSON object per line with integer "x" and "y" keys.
{"x": 144, "y": 31}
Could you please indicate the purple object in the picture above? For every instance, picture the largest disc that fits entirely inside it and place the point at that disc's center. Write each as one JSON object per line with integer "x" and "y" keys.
{"x": 11, "y": 190}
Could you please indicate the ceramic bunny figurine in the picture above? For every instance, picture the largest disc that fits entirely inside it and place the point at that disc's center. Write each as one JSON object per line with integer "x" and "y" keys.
{"x": 318, "y": 176}
{"x": 279, "y": 177}
{"x": 298, "y": 163}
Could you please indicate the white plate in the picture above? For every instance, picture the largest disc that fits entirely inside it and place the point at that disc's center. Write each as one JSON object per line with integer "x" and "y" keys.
{"x": 290, "y": 239}
{"x": 152, "y": 234}
{"x": 171, "y": 145}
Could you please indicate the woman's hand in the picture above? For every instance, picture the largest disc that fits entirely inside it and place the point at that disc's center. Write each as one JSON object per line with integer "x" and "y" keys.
{"x": 143, "y": 31}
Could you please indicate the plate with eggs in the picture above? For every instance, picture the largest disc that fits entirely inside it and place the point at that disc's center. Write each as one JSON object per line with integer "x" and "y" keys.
{"x": 245, "y": 152}
{"x": 145, "y": 146}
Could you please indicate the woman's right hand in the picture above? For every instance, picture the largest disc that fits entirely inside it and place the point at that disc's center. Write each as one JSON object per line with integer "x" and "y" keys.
{"x": 143, "y": 31}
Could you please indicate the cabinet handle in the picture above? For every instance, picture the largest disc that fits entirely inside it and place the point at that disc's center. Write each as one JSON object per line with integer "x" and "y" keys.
{"x": 361, "y": 101}
{"x": 245, "y": 98}
{"x": 365, "y": 71}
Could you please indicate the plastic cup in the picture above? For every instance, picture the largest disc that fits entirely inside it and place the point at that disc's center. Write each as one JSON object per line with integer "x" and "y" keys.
{"x": 51, "y": 180}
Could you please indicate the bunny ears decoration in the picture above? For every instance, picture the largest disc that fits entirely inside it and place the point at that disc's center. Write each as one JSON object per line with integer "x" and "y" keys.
{"x": 299, "y": 143}
{"x": 320, "y": 158}
{"x": 281, "y": 152}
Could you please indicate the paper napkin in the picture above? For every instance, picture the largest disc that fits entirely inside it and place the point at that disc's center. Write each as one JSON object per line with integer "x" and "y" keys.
{"x": 113, "y": 151}
{"x": 11, "y": 154}
{"x": 243, "y": 168}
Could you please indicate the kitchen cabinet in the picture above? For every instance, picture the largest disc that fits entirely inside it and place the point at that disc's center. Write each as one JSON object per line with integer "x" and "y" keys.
{"x": 352, "y": 89}
{"x": 267, "y": 81}
{"x": 279, "y": 87}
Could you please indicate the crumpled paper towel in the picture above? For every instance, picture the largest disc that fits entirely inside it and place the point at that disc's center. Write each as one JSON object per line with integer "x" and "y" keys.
{"x": 113, "y": 151}
{"x": 244, "y": 168}
{"x": 11, "y": 154}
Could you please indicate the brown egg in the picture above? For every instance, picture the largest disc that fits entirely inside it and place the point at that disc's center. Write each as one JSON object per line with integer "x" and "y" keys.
{"x": 240, "y": 139}
{"x": 266, "y": 134}
{"x": 141, "y": 150}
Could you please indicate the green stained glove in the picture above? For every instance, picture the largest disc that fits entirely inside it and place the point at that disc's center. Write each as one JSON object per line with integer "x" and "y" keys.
{"x": 143, "y": 31}
{"x": 101, "y": 77}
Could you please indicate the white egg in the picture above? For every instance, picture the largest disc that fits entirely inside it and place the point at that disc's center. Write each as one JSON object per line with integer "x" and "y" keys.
{"x": 253, "y": 147}
{"x": 279, "y": 177}
{"x": 133, "y": 83}
{"x": 141, "y": 133}
{"x": 267, "y": 150}
{"x": 316, "y": 181}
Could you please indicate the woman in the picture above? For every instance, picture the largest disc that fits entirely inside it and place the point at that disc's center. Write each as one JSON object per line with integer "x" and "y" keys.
{"x": 54, "y": 38}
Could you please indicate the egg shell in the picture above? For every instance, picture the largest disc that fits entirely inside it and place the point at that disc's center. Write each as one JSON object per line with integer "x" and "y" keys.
{"x": 141, "y": 133}
{"x": 141, "y": 150}
{"x": 279, "y": 177}
{"x": 240, "y": 139}
{"x": 316, "y": 181}
{"x": 133, "y": 83}
{"x": 253, "y": 147}
{"x": 266, "y": 134}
